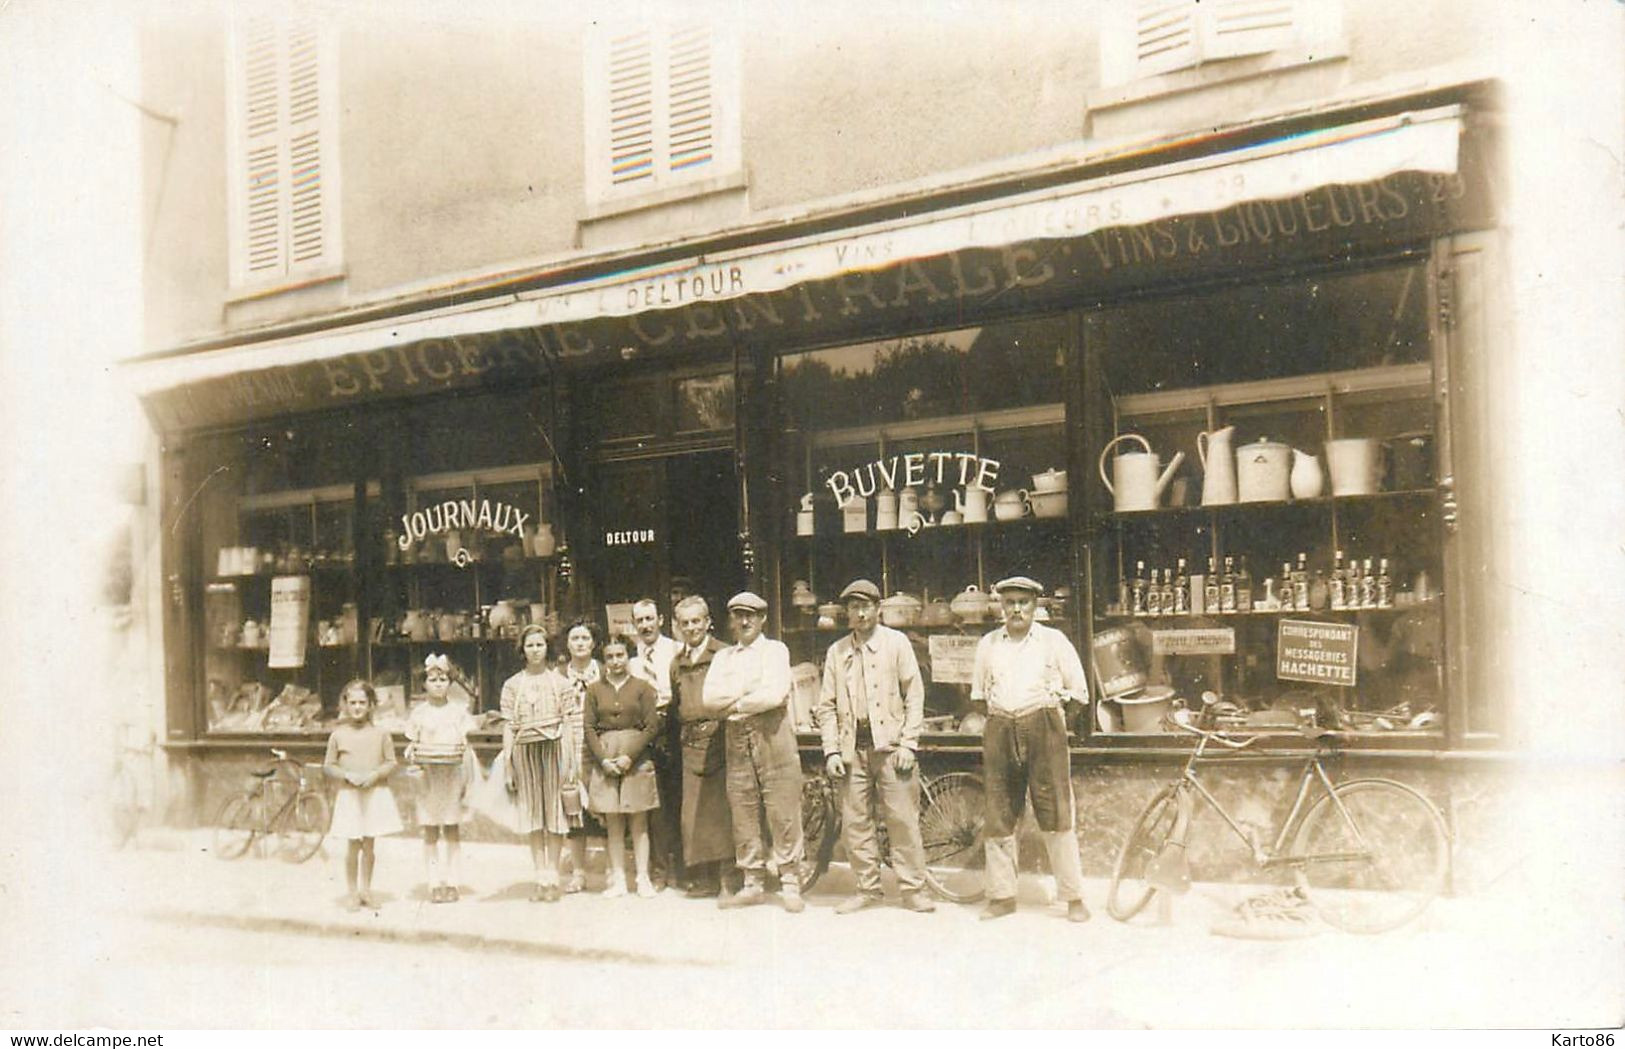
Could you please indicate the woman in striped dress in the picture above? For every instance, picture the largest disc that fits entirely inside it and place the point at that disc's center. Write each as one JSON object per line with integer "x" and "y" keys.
{"x": 542, "y": 756}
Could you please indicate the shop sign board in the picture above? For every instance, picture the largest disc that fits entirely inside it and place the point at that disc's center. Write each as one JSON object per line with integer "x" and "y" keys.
{"x": 629, "y": 537}
{"x": 454, "y": 514}
{"x": 290, "y": 620}
{"x": 1207, "y": 641}
{"x": 895, "y": 472}
{"x": 1323, "y": 653}
{"x": 953, "y": 658}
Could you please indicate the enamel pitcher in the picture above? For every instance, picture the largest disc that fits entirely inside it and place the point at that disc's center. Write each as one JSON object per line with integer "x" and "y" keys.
{"x": 1135, "y": 483}
{"x": 1218, "y": 466}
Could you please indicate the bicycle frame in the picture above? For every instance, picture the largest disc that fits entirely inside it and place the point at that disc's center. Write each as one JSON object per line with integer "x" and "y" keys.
{"x": 1276, "y": 855}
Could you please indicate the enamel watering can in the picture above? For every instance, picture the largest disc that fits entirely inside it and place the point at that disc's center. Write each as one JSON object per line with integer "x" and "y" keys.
{"x": 1218, "y": 466}
{"x": 1135, "y": 483}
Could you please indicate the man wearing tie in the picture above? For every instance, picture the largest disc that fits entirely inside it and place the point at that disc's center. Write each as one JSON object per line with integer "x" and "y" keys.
{"x": 652, "y": 663}
{"x": 749, "y": 687}
{"x": 1026, "y": 673}
{"x": 870, "y": 710}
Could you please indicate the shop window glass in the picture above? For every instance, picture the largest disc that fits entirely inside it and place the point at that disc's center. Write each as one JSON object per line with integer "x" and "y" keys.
{"x": 627, "y": 410}
{"x": 1315, "y": 513}
{"x": 705, "y": 403}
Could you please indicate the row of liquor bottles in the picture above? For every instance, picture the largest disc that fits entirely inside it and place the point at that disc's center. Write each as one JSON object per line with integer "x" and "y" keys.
{"x": 1352, "y": 583}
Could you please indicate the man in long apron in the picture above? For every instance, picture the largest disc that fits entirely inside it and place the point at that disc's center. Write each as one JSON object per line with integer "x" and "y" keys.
{"x": 1027, "y": 674}
{"x": 749, "y": 686}
{"x": 707, "y": 826}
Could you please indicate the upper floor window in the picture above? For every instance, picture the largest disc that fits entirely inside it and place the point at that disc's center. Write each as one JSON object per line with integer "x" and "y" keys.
{"x": 662, "y": 111}
{"x": 1142, "y": 38}
{"x": 283, "y": 166}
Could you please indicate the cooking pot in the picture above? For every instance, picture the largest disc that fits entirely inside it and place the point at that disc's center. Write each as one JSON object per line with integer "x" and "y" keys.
{"x": 1049, "y": 504}
{"x": 829, "y": 615}
{"x": 1051, "y": 480}
{"x": 1263, "y": 471}
{"x": 415, "y": 625}
{"x": 1144, "y": 712}
{"x": 970, "y": 605}
{"x": 1008, "y": 506}
{"x": 504, "y": 617}
{"x": 1135, "y": 483}
{"x": 900, "y": 610}
{"x": 802, "y": 596}
{"x": 1354, "y": 463}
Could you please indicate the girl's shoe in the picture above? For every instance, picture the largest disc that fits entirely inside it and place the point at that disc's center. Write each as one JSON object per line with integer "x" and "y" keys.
{"x": 616, "y": 887}
{"x": 646, "y": 889}
{"x": 575, "y": 882}
{"x": 352, "y": 902}
{"x": 452, "y": 896}
{"x": 367, "y": 900}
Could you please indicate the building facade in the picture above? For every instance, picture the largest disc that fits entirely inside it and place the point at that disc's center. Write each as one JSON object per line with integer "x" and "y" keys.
{"x": 1192, "y": 312}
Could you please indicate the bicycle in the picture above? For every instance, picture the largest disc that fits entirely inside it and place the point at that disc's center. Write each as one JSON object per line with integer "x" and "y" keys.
{"x": 951, "y": 815}
{"x": 1368, "y": 854}
{"x": 280, "y": 803}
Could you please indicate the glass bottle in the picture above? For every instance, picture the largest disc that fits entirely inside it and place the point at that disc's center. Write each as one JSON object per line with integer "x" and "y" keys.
{"x": 1182, "y": 591}
{"x": 1318, "y": 591}
{"x": 1300, "y": 583}
{"x": 1244, "y": 587}
{"x": 1334, "y": 586}
{"x": 1210, "y": 589}
{"x": 1368, "y": 586}
{"x": 1137, "y": 590}
{"x": 1288, "y": 600}
{"x": 1167, "y": 591}
{"x": 1153, "y": 594}
{"x": 1385, "y": 585}
{"x": 1227, "y": 586}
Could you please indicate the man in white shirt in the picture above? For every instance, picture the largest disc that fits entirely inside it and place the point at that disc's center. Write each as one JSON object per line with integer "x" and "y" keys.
{"x": 749, "y": 687}
{"x": 1027, "y": 673}
{"x": 871, "y": 708}
{"x": 652, "y": 663}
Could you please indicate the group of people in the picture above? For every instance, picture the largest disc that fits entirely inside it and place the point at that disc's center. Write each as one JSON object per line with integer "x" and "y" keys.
{"x": 686, "y": 745}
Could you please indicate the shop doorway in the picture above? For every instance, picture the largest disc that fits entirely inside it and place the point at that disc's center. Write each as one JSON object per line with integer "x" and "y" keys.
{"x": 671, "y": 521}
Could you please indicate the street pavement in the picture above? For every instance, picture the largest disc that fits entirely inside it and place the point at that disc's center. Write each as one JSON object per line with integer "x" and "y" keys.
{"x": 175, "y": 938}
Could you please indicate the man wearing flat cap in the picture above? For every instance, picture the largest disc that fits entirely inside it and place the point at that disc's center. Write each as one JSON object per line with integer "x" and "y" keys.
{"x": 870, "y": 710}
{"x": 1027, "y": 673}
{"x": 749, "y": 687}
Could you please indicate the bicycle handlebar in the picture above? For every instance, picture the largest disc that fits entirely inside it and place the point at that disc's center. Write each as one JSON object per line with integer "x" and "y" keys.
{"x": 1217, "y": 737}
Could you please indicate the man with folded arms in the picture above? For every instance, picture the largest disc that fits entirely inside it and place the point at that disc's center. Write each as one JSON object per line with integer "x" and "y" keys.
{"x": 870, "y": 710}
{"x": 707, "y": 827}
{"x": 749, "y": 687}
{"x": 1027, "y": 673}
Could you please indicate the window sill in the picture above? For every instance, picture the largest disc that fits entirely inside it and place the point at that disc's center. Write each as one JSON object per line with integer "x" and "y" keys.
{"x": 1209, "y": 74}
{"x": 294, "y": 282}
{"x": 603, "y": 209}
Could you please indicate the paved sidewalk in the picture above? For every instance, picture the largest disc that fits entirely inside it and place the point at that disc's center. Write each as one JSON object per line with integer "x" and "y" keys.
{"x": 189, "y": 916}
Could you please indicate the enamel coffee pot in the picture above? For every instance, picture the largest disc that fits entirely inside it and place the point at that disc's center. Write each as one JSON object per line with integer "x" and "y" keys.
{"x": 1135, "y": 483}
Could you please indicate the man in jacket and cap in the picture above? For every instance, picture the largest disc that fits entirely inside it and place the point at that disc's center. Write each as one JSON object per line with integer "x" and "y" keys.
{"x": 870, "y": 710}
{"x": 1027, "y": 674}
{"x": 749, "y": 687}
{"x": 707, "y": 827}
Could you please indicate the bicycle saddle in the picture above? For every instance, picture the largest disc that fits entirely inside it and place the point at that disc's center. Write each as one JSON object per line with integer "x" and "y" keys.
{"x": 264, "y": 773}
{"x": 1324, "y": 736}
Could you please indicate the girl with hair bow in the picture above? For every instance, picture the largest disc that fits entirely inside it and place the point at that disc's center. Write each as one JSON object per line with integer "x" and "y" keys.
{"x": 437, "y": 741}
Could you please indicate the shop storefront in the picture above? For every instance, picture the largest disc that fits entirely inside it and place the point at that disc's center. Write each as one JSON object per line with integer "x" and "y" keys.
{"x": 1027, "y": 383}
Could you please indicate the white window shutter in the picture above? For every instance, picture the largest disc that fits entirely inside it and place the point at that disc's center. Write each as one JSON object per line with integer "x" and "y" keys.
{"x": 658, "y": 109}
{"x": 1232, "y": 28}
{"x": 307, "y": 231}
{"x": 284, "y": 201}
{"x": 1165, "y": 36}
{"x": 261, "y": 174}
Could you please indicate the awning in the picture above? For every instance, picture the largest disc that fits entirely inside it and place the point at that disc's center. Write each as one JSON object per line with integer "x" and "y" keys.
{"x": 1426, "y": 141}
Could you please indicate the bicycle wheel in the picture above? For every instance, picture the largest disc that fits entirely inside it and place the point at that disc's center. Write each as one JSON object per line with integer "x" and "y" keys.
{"x": 303, "y": 826}
{"x": 1130, "y": 891}
{"x": 952, "y": 815}
{"x": 235, "y": 826}
{"x": 1372, "y": 855}
{"x": 820, "y": 826}
{"x": 124, "y": 807}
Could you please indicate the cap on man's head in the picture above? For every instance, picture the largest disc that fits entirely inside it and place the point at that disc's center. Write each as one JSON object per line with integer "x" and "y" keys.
{"x": 1018, "y": 582}
{"x": 747, "y": 602}
{"x": 861, "y": 588}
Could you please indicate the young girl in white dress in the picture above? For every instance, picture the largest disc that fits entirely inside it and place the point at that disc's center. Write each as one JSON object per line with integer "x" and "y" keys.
{"x": 360, "y": 755}
{"x": 437, "y": 731}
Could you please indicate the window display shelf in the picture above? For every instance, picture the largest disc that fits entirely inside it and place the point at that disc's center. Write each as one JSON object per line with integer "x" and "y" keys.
{"x": 1325, "y": 502}
{"x": 1206, "y": 619}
